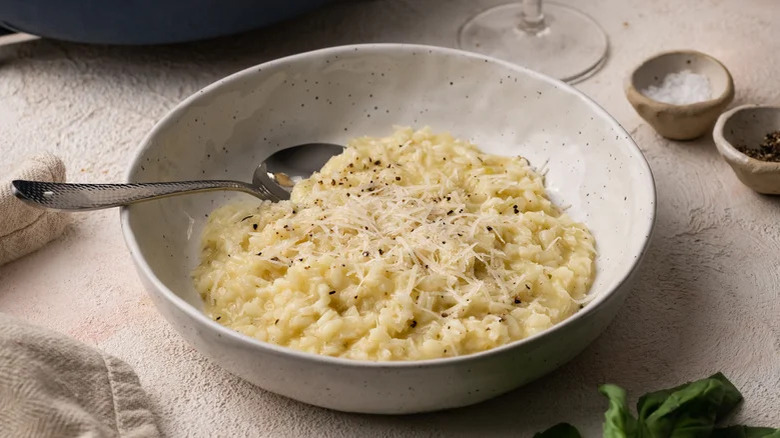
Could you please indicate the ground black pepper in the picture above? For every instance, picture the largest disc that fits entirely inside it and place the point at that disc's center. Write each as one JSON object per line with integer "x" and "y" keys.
{"x": 768, "y": 150}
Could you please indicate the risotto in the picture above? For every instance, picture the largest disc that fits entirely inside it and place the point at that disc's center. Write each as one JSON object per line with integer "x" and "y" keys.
{"x": 412, "y": 246}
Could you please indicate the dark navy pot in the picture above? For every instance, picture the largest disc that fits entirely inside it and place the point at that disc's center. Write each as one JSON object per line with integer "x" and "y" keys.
{"x": 134, "y": 22}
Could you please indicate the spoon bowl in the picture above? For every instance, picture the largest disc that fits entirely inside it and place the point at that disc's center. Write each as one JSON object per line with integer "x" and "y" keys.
{"x": 282, "y": 170}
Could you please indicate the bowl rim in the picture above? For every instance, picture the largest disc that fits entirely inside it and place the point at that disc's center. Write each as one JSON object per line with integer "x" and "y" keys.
{"x": 267, "y": 347}
{"x": 732, "y": 154}
{"x": 637, "y": 97}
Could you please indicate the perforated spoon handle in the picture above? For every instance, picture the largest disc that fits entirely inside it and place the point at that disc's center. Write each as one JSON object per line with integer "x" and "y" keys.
{"x": 82, "y": 197}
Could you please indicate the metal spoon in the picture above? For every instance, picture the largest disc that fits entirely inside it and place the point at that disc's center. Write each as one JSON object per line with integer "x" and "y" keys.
{"x": 273, "y": 180}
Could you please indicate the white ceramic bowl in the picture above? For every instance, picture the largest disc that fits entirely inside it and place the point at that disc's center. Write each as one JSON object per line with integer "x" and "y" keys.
{"x": 332, "y": 95}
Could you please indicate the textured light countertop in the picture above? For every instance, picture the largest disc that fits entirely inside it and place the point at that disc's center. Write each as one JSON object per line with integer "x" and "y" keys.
{"x": 707, "y": 295}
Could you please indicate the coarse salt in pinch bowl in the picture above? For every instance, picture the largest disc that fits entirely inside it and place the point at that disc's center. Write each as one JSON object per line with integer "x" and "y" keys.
{"x": 680, "y": 93}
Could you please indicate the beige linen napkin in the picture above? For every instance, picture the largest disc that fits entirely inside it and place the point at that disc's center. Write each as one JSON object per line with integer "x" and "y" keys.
{"x": 53, "y": 386}
{"x": 24, "y": 229}
{"x": 50, "y": 385}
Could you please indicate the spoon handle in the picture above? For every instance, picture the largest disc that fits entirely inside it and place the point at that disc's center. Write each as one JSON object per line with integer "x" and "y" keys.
{"x": 81, "y": 197}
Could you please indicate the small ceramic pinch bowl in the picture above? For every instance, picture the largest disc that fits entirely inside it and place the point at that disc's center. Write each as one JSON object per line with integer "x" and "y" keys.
{"x": 747, "y": 125}
{"x": 680, "y": 122}
{"x": 333, "y": 95}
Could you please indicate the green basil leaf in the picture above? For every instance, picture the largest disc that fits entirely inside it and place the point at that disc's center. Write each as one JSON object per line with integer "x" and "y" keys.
{"x": 746, "y": 432}
{"x": 618, "y": 421}
{"x": 687, "y": 411}
{"x": 731, "y": 398}
{"x": 560, "y": 430}
{"x": 650, "y": 402}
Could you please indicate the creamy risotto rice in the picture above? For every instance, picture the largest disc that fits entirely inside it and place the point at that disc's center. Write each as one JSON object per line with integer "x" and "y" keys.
{"x": 412, "y": 246}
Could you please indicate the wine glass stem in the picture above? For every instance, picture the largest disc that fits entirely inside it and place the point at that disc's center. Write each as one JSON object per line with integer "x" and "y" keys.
{"x": 532, "y": 18}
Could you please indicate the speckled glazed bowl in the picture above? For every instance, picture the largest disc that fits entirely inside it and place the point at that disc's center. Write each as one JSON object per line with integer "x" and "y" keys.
{"x": 680, "y": 122}
{"x": 332, "y": 95}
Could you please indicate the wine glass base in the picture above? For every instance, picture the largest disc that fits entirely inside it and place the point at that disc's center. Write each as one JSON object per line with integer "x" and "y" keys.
{"x": 570, "y": 47}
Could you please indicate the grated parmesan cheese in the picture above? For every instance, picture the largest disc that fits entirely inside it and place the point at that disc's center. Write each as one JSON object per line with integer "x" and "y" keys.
{"x": 412, "y": 246}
